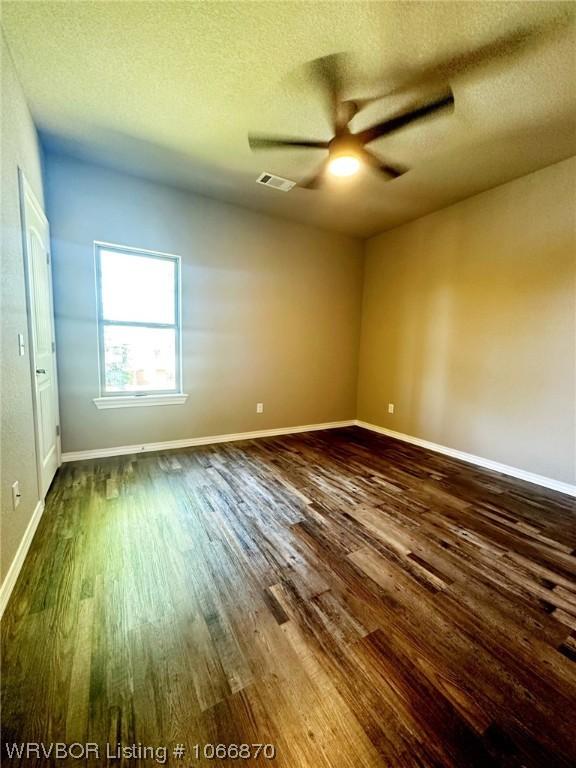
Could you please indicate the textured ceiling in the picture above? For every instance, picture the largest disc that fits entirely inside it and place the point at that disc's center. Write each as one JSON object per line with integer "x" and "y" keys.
{"x": 170, "y": 90}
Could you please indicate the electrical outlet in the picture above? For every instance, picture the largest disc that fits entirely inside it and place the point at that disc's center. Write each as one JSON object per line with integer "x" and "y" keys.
{"x": 390, "y": 407}
{"x": 15, "y": 494}
{"x": 259, "y": 407}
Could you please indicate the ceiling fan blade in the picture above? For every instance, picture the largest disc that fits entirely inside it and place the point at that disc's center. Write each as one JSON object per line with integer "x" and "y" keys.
{"x": 279, "y": 142}
{"x": 498, "y": 50}
{"x": 315, "y": 181}
{"x": 375, "y": 162}
{"x": 394, "y": 123}
{"x": 327, "y": 72}
{"x": 459, "y": 61}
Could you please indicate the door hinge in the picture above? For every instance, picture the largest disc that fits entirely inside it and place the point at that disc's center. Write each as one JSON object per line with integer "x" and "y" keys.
{"x": 53, "y": 346}
{"x": 47, "y": 258}
{"x": 57, "y": 430}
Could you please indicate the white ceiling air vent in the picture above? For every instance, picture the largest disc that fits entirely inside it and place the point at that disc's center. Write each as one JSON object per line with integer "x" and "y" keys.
{"x": 277, "y": 182}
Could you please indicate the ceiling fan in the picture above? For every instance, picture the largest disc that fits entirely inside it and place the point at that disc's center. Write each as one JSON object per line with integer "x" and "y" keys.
{"x": 347, "y": 151}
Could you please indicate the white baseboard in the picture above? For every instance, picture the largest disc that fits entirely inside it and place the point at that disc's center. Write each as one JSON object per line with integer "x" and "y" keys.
{"x": 21, "y": 552}
{"x": 505, "y": 469}
{"x": 123, "y": 450}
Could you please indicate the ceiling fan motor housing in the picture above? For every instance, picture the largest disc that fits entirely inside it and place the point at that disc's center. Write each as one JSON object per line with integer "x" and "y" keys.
{"x": 346, "y": 145}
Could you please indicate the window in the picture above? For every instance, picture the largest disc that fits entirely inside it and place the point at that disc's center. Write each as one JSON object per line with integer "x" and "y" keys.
{"x": 138, "y": 327}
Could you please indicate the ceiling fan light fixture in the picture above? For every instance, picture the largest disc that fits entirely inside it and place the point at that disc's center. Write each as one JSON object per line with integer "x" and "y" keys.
{"x": 344, "y": 165}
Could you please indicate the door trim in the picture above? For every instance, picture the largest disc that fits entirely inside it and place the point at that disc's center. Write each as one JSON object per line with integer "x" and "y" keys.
{"x": 26, "y": 194}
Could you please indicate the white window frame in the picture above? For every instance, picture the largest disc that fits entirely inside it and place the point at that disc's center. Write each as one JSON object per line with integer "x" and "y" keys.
{"x": 119, "y": 399}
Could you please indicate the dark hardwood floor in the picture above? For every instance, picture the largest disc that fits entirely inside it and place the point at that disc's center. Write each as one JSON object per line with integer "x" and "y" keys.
{"x": 350, "y": 599}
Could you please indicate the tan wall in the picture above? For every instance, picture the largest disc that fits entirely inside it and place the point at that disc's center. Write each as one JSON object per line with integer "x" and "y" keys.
{"x": 271, "y": 310}
{"x": 469, "y": 325}
{"x": 19, "y": 147}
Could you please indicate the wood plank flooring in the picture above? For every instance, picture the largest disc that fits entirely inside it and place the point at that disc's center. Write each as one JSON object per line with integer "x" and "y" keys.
{"x": 355, "y": 601}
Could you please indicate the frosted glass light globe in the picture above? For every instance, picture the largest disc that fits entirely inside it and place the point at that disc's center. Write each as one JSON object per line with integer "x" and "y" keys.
{"x": 345, "y": 165}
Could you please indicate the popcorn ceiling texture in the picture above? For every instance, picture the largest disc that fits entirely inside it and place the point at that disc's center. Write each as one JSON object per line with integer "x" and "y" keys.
{"x": 170, "y": 91}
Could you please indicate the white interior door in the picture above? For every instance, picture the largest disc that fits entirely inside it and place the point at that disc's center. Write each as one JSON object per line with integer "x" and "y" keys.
{"x": 41, "y": 335}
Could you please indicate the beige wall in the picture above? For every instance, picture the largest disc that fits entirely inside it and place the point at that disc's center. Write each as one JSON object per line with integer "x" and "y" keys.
{"x": 19, "y": 146}
{"x": 469, "y": 325}
{"x": 271, "y": 310}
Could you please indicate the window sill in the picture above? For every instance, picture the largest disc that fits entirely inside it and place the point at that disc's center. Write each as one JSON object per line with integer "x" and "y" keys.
{"x": 136, "y": 401}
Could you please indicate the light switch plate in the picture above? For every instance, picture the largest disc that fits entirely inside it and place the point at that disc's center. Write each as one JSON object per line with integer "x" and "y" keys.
{"x": 15, "y": 494}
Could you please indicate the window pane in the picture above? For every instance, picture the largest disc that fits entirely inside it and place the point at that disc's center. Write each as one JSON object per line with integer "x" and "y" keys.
{"x": 137, "y": 289}
{"x": 139, "y": 359}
